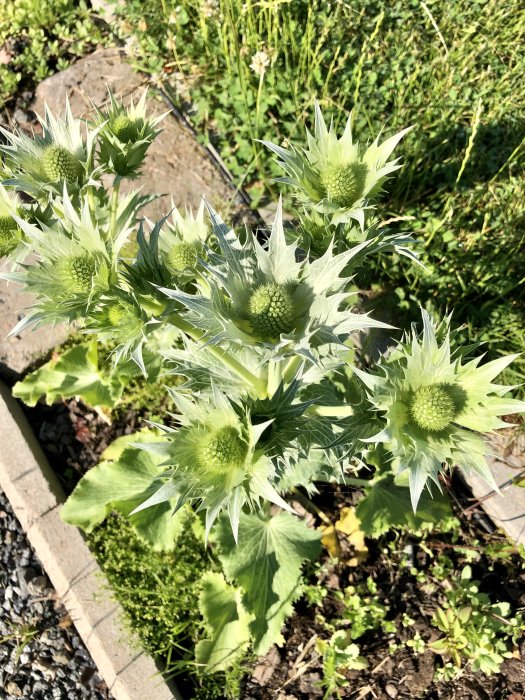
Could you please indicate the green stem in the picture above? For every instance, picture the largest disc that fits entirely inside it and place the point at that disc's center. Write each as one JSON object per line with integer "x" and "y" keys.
{"x": 91, "y": 190}
{"x": 114, "y": 207}
{"x": 291, "y": 368}
{"x": 310, "y": 506}
{"x": 331, "y": 411}
{"x": 275, "y": 368}
{"x": 255, "y": 382}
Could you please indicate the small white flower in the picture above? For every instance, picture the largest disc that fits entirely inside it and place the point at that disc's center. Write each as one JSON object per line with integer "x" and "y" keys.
{"x": 132, "y": 47}
{"x": 260, "y": 61}
{"x": 171, "y": 43}
{"x": 209, "y": 8}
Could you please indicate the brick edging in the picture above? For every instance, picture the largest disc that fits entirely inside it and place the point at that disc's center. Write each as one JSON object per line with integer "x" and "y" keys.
{"x": 36, "y": 495}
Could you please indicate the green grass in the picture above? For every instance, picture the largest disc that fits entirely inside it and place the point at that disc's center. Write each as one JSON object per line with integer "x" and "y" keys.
{"x": 454, "y": 70}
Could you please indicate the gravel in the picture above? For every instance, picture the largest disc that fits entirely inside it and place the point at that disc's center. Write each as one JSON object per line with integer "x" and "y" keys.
{"x": 41, "y": 655}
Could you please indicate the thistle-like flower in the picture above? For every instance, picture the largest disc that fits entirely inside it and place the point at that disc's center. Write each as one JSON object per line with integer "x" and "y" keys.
{"x": 10, "y": 232}
{"x": 42, "y": 165}
{"x": 436, "y": 402}
{"x": 214, "y": 460}
{"x": 75, "y": 264}
{"x": 263, "y": 297}
{"x": 181, "y": 242}
{"x": 125, "y": 136}
{"x": 337, "y": 177}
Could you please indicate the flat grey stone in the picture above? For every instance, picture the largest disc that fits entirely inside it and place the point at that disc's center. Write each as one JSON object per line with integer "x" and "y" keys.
{"x": 176, "y": 166}
{"x": 507, "y": 509}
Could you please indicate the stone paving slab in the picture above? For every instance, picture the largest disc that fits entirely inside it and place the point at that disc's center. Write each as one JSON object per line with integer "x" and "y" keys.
{"x": 36, "y": 495}
{"x": 507, "y": 510}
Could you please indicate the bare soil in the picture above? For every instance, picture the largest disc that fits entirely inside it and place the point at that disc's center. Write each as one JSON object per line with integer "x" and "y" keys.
{"x": 73, "y": 435}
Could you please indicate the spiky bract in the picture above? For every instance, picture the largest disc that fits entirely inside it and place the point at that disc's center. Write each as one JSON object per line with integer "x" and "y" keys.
{"x": 267, "y": 299}
{"x": 125, "y": 135}
{"x": 76, "y": 263}
{"x": 337, "y": 177}
{"x": 41, "y": 165}
{"x": 182, "y": 240}
{"x": 436, "y": 402}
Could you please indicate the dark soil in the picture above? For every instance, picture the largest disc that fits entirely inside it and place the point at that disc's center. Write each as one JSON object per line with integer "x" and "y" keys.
{"x": 73, "y": 436}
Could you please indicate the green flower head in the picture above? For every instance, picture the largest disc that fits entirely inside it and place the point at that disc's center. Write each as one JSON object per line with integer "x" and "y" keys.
{"x": 337, "y": 177}
{"x": 125, "y": 135}
{"x": 10, "y": 232}
{"x": 437, "y": 403}
{"x": 267, "y": 298}
{"x": 42, "y": 165}
{"x": 181, "y": 242}
{"x": 75, "y": 265}
{"x": 213, "y": 459}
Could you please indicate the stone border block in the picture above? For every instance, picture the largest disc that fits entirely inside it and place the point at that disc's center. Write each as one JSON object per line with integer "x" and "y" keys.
{"x": 36, "y": 495}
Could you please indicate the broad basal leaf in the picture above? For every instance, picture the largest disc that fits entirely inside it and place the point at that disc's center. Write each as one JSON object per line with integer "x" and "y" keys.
{"x": 121, "y": 486}
{"x": 75, "y": 373}
{"x": 386, "y": 505}
{"x": 226, "y": 621}
{"x": 266, "y": 562}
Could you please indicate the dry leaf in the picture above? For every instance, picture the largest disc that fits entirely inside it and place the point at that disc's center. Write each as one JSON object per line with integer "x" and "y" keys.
{"x": 347, "y": 529}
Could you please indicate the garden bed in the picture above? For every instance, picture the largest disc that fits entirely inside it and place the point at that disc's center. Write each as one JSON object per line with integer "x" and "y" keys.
{"x": 396, "y": 586}
{"x": 398, "y": 605}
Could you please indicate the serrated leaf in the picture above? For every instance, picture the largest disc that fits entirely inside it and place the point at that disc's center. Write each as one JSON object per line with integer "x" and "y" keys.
{"x": 121, "y": 486}
{"x": 75, "y": 373}
{"x": 226, "y": 621}
{"x": 386, "y": 506}
{"x": 266, "y": 562}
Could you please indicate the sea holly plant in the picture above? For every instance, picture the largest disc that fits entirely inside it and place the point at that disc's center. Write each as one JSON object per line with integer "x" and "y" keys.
{"x": 256, "y": 335}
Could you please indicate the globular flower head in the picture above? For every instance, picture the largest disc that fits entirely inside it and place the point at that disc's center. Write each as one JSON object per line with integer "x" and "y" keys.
{"x": 437, "y": 403}
{"x": 337, "y": 177}
{"x": 268, "y": 299}
{"x": 10, "y": 232}
{"x": 75, "y": 264}
{"x": 42, "y": 165}
{"x": 181, "y": 242}
{"x": 125, "y": 135}
{"x": 119, "y": 319}
{"x": 214, "y": 460}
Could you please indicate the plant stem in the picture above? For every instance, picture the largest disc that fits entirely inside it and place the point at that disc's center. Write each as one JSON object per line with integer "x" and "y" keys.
{"x": 291, "y": 368}
{"x": 255, "y": 382}
{"x": 275, "y": 368}
{"x": 310, "y": 506}
{"x": 114, "y": 207}
{"x": 333, "y": 411}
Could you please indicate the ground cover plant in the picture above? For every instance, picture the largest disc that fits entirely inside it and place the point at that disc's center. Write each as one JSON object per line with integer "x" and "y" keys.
{"x": 247, "y": 71}
{"x": 258, "y": 333}
{"x": 39, "y": 37}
